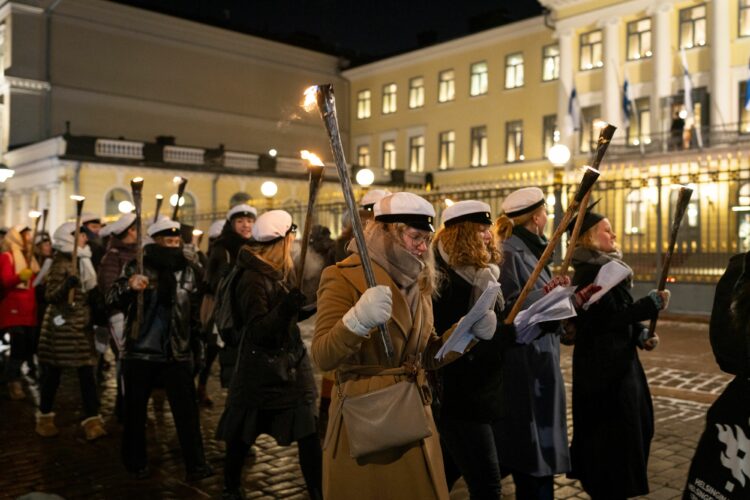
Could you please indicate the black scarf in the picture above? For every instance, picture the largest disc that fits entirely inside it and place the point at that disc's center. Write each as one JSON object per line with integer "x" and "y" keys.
{"x": 165, "y": 261}
{"x": 534, "y": 242}
{"x": 231, "y": 241}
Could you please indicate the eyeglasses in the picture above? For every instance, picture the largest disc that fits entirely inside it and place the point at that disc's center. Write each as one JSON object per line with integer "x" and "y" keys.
{"x": 418, "y": 240}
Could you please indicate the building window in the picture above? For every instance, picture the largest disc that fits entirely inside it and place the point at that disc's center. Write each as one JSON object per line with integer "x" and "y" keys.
{"x": 479, "y": 79}
{"x": 639, "y": 39}
{"x": 416, "y": 92}
{"x": 635, "y": 213}
{"x": 744, "y": 18}
{"x": 446, "y": 85}
{"x": 389, "y": 98}
{"x": 550, "y": 134}
{"x": 447, "y": 149}
{"x": 113, "y": 200}
{"x": 514, "y": 71}
{"x": 389, "y": 155}
{"x": 639, "y": 130}
{"x": 744, "y": 111}
{"x": 693, "y": 27}
{"x": 187, "y": 208}
{"x": 479, "y": 146}
{"x": 416, "y": 153}
{"x": 364, "y": 100}
{"x": 743, "y": 218}
{"x": 363, "y": 156}
{"x": 514, "y": 141}
{"x": 591, "y": 50}
{"x": 550, "y": 63}
{"x": 591, "y": 123}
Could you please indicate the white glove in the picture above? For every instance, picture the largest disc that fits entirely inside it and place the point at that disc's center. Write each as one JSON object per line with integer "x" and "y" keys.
{"x": 660, "y": 298}
{"x": 372, "y": 309}
{"x": 485, "y": 327}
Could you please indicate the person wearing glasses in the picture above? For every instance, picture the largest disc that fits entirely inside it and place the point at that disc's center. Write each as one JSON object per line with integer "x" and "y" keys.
{"x": 347, "y": 341}
{"x": 467, "y": 399}
{"x": 272, "y": 390}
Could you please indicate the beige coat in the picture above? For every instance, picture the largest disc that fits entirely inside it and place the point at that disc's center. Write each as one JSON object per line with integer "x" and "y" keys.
{"x": 410, "y": 472}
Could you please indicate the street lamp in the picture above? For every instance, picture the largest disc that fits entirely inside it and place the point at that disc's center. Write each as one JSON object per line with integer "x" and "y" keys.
{"x": 269, "y": 189}
{"x": 559, "y": 155}
{"x": 365, "y": 177}
{"x": 125, "y": 207}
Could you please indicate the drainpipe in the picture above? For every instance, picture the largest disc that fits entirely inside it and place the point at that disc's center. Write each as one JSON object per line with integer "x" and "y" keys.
{"x": 214, "y": 194}
{"x": 77, "y": 179}
{"x": 47, "y": 67}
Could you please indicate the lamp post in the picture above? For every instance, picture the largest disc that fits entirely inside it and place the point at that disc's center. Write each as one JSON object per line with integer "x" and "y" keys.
{"x": 559, "y": 156}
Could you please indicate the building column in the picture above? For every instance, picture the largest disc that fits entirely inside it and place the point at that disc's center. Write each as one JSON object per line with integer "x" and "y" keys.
{"x": 565, "y": 86}
{"x": 8, "y": 202}
{"x": 663, "y": 62}
{"x": 611, "y": 94}
{"x": 55, "y": 216}
{"x": 720, "y": 77}
{"x": 25, "y": 207}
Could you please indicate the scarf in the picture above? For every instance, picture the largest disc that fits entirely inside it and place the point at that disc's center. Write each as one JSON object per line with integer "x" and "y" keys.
{"x": 583, "y": 255}
{"x": 231, "y": 241}
{"x": 402, "y": 267}
{"x": 534, "y": 242}
{"x": 479, "y": 277}
{"x": 86, "y": 272}
{"x": 165, "y": 261}
{"x": 13, "y": 244}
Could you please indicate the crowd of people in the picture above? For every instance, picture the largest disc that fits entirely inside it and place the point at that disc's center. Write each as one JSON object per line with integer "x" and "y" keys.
{"x": 396, "y": 416}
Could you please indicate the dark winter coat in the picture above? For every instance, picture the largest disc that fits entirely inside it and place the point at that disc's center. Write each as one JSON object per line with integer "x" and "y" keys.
{"x": 613, "y": 420}
{"x": 169, "y": 331}
{"x": 468, "y": 388}
{"x": 269, "y": 327}
{"x": 67, "y": 331}
{"x": 117, "y": 256}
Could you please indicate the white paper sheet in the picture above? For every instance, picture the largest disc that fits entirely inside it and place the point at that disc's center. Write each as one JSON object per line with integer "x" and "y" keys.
{"x": 554, "y": 306}
{"x": 610, "y": 275}
{"x": 462, "y": 335}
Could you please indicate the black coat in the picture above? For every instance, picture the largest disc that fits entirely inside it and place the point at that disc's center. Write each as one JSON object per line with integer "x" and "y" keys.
{"x": 613, "y": 419}
{"x": 169, "y": 331}
{"x": 270, "y": 330}
{"x": 469, "y": 388}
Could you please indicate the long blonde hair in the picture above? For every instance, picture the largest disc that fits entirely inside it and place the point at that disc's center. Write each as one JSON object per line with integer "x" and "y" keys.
{"x": 278, "y": 255}
{"x": 465, "y": 246}
{"x": 588, "y": 240}
{"x": 504, "y": 224}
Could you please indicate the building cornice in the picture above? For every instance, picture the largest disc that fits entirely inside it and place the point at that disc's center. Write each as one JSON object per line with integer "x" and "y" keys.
{"x": 50, "y": 148}
{"x": 10, "y": 7}
{"x": 470, "y": 42}
{"x": 595, "y": 16}
{"x": 15, "y": 82}
{"x": 110, "y": 15}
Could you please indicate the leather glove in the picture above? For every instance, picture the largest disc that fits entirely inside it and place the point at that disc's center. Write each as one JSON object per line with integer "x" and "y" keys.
{"x": 71, "y": 282}
{"x": 660, "y": 298}
{"x": 484, "y": 328}
{"x": 584, "y": 294}
{"x": 293, "y": 301}
{"x": 555, "y": 282}
{"x": 372, "y": 309}
{"x": 25, "y": 275}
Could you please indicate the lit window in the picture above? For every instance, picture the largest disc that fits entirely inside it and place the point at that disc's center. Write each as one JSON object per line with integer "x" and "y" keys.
{"x": 635, "y": 212}
{"x": 590, "y": 126}
{"x": 693, "y": 27}
{"x": 389, "y": 155}
{"x": 743, "y": 219}
{"x": 446, "y": 86}
{"x": 744, "y": 112}
{"x": 113, "y": 200}
{"x": 363, "y": 156}
{"x": 479, "y": 146}
{"x": 744, "y": 18}
{"x": 447, "y": 151}
{"x": 416, "y": 92}
{"x": 639, "y": 130}
{"x": 364, "y": 99}
{"x": 416, "y": 153}
{"x": 591, "y": 50}
{"x": 550, "y": 134}
{"x": 479, "y": 80}
{"x": 389, "y": 98}
{"x": 514, "y": 141}
{"x": 639, "y": 39}
{"x": 514, "y": 71}
{"x": 550, "y": 63}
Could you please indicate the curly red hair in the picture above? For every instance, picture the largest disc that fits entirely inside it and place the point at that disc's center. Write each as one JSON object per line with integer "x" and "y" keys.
{"x": 465, "y": 247}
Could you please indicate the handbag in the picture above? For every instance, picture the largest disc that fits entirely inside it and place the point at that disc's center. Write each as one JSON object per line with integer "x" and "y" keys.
{"x": 384, "y": 419}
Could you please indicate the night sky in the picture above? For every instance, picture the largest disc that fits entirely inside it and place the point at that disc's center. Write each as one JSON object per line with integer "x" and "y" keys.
{"x": 358, "y": 30}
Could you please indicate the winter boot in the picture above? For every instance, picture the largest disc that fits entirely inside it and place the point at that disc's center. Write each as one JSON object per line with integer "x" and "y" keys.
{"x": 15, "y": 390}
{"x": 203, "y": 398}
{"x": 45, "y": 424}
{"x": 93, "y": 427}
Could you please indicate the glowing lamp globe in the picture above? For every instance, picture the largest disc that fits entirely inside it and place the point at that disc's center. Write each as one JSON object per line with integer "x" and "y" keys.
{"x": 269, "y": 189}
{"x": 365, "y": 177}
{"x": 559, "y": 154}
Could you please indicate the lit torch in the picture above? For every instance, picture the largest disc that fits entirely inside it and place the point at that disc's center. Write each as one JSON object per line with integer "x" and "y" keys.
{"x": 159, "y": 201}
{"x": 35, "y": 215}
{"x": 576, "y": 232}
{"x": 315, "y": 168}
{"x": 136, "y": 186}
{"x": 181, "y": 183}
{"x": 74, "y": 256}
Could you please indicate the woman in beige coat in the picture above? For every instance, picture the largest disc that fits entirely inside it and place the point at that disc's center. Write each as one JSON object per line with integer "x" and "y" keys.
{"x": 346, "y": 340}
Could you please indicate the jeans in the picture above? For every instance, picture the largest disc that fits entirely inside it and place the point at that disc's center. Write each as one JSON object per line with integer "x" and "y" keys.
{"x": 530, "y": 487}
{"x": 50, "y": 381}
{"x": 22, "y": 348}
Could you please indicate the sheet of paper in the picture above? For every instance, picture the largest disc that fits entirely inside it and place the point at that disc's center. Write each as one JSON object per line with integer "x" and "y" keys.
{"x": 554, "y": 306}
{"x": 610, "y": 275}
{"x": 461, "y": 336}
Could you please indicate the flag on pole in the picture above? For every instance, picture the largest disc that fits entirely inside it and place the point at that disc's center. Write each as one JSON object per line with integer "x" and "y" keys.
{"x": 627, "y": 103}
{"x": 747, "y": 92}
{"x": 574, "y": 111}
{"x": 687, "y": 85}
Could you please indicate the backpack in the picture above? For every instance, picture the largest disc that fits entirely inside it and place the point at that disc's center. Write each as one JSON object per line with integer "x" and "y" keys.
{"x": 228, "y": 326}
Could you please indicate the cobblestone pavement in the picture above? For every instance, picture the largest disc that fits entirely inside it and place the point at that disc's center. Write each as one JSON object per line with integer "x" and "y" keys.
{"x": 683, "y": 383}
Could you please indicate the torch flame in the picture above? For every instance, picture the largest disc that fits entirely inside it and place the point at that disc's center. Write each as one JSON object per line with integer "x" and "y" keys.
{"x": 588, "y": 167}
{"x": 177, "y": 179}
{"x": 197, "y": 232}
{"x": 77, "y": 197}
{"x": 310, "y": 98}
{"x": 137, "y": 180}
{"x": 35, "y": 214}
{"x": 159, "y": 197}
{"x": 312, "y": 158}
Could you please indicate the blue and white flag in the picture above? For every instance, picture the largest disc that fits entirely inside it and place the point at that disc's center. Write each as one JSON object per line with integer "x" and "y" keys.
{"x": 574, "y": 111}
{"x": 687, "y": 85}
{"x": 627, "y": 103}
{"x": 747, "y": 93}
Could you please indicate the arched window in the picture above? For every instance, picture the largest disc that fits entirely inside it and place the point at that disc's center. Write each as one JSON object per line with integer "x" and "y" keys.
{"x": 187, "y": 208}
{"x": 743, "y": 218}
{"x": 239, "y": 198}
{"x": 113, "y": 202}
